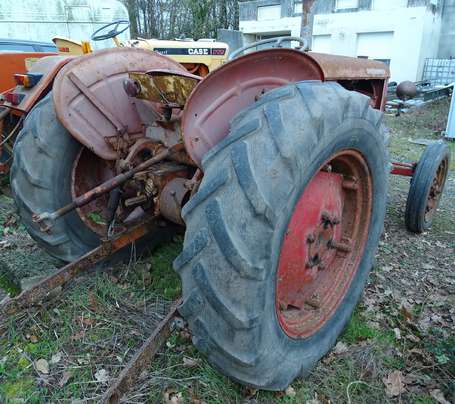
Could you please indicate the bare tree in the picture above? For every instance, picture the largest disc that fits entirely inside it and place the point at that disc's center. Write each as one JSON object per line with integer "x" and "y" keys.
{"x": 169, "y": 19}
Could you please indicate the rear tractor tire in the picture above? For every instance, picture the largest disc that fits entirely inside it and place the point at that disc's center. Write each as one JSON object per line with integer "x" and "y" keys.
{"x": 44, "y": 155}
{"x": 283, "y": 231}
{"x": 427, "y": 186}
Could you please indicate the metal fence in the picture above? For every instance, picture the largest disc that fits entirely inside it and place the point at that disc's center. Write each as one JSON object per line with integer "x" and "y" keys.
{"x": 439, "y": 71}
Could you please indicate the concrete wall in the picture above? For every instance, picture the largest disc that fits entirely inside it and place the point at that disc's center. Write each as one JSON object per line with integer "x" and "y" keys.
{"x": 447, "y": 40}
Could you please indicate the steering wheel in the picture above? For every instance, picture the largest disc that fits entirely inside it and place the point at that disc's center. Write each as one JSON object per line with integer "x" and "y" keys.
{"x": 116, "y": 30}
{"x": 277, "y": 41}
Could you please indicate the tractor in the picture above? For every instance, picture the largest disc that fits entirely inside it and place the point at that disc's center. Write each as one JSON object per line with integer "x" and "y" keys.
{"x": 275, "y": 165}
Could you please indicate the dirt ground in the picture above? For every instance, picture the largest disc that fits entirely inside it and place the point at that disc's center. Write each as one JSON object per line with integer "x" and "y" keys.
{"x": 399, "y": 346}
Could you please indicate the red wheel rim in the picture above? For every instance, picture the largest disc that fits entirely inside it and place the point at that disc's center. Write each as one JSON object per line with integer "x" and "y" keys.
{"x": 436, "y": 189}
{"x": 323, "y": 244}
{"x": 88, "y": 172}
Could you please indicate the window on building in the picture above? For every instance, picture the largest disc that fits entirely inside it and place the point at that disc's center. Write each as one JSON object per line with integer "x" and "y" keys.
{"x": 298, "y": 7}
{"x": 322, "y": 43}
{"x": 375, "y": 45}
{"x": 346, "y": 4}
{"x": 269, "y": 12}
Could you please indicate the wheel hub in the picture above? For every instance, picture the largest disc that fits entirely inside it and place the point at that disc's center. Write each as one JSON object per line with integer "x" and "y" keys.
{"x": 323, "y": 244}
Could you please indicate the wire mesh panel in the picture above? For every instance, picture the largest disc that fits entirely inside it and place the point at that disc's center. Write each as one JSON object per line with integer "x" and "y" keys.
{"x": 439, "y": 71}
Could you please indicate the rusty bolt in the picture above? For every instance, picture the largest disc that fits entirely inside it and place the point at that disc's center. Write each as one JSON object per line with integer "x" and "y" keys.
{"x": 342, "y": 247}
{"x": 314, "y": 301}
{"x": 325, "y": 217}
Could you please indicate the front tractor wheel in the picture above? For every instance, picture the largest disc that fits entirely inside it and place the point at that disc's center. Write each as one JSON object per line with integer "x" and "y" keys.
{"x": 283, "y": 230}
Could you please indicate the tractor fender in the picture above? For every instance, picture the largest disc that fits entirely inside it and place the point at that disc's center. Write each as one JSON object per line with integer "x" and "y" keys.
{"x": 91, "y": 102}
{"x": 235, "y": 86}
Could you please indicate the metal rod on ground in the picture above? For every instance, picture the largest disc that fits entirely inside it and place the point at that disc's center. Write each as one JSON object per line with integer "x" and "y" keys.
{"x": 141, "y": 359}
{"x": 38, "y": 292}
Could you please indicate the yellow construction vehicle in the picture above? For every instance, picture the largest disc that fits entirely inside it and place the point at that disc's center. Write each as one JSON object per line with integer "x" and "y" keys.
{"x": 198, "y": 57}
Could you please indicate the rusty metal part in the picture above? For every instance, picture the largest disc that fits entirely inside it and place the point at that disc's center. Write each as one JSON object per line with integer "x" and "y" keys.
{"x": 143, "y": 147}
{"x": 3, "y": 114}
{"x": 97, "y": 103}
{"x": 195, "y": 181}
{"x": 172, "y": 198}
{"x": 142, "y": 358}
{"x": 136, "y": 200}
{"x": 88, "y": 172}
{"x": 437, "y": 186}
{"x": 239, "y": 83}
{"x": 7, "y": 139}
{"x": 406, "y": 90}
{"x": 335, "y": 67}
{"x": 40, "y": 291}
{"x": 233, "y": 87}
{"x": 103, "y": 73}
{"x": 404, "y": 169}
{"x": 46, "y": 219}
{"x": 170, "y": 87}
{"x": 49, "y": 66}
{"x": 113, "y": 204}
{"x": 324, "y": 244}
{"x": 199, "y": 69}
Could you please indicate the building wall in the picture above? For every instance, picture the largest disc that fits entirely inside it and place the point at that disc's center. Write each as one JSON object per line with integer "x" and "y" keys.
{"x": 405, "y": 36}
{"x": 402, "y": 31}
{"x": 447, "y": 41}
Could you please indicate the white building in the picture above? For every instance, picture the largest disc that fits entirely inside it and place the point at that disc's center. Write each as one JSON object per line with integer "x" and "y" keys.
{"x": 402, "y": 33}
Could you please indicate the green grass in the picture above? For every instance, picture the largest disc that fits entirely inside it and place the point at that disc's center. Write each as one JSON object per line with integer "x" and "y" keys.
{"x": 164, "y": 279}
{"x": 423, "y": 123}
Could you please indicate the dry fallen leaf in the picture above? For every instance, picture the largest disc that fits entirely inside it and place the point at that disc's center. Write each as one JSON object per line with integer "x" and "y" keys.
{"x": 438, "y": 395}
{"x": 102, "y": 376}
{"x": 189, "y": 362}
{"x": 77, "y": 336}
{"x": 340, "y": 348}
{"x": 93, "y": 302}
{"x": 290, "y": 391}
{"x": 33, "y": 338}
{"x": 42, "y": 366}
{"x": 250, "y": 392}
{"x": 56, "y": 358}
{"x": 171, "y": 396}
{"x": 394, "y": 383}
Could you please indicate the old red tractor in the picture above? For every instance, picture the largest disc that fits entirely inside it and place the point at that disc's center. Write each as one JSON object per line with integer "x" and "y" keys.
{"x": 276, "y": 163}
